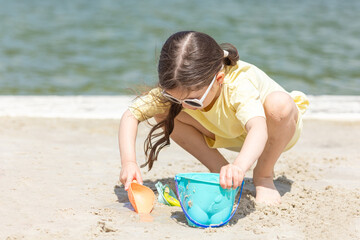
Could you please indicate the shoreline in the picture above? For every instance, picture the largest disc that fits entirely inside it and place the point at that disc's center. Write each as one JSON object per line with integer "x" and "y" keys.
{"x": 322, "y": 107}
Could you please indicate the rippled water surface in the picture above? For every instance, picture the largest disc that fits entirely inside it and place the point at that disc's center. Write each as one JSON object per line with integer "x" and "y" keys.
{"x": 89, "y": 47}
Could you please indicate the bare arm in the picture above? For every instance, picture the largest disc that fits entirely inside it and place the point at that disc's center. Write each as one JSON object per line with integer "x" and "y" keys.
{"x": 254, "y": 143}
{"x": 233, "y": 174}
{"x": 127, "y": 140}
{"x": 127, "y": 137}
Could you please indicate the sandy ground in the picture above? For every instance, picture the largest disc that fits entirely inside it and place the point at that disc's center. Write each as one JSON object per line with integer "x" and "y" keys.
{"x": 59, "y": 180}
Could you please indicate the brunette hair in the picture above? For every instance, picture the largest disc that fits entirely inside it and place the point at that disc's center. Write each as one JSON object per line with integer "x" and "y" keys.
{"x": 188, "y": 60}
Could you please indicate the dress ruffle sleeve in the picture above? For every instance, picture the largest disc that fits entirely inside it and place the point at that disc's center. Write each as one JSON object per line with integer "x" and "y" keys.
{"x": 147, "y": 106}
{"x": 300, "y": 100}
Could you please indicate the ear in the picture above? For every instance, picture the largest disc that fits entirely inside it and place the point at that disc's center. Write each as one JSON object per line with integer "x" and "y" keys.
{"x": 220, "y": 77}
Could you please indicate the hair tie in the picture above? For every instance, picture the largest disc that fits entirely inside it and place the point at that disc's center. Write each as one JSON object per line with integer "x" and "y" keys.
{"x": 226, "y": 53}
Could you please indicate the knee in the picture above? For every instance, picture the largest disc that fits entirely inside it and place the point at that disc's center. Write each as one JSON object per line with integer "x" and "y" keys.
{"x": 279, "y": 107}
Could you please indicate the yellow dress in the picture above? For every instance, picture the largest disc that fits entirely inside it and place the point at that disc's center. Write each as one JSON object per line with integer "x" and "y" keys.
{"x": 243, "y": 93}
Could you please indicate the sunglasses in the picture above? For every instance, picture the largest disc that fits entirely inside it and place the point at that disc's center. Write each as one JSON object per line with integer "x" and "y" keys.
{"x": 193, "y": 102}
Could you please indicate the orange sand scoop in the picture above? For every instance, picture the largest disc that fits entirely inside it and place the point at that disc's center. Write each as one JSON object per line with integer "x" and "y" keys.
{"x": 141, "y": 197}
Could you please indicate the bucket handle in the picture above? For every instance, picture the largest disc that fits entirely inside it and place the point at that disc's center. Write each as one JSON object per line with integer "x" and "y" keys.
{"x": 203, "y": 225}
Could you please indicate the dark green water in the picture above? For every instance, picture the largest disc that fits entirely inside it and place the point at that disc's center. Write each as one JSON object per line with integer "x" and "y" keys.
{"x": 86, "y": 47}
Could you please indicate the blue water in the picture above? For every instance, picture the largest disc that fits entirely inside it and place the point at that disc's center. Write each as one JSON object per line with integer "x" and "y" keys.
{"x": 89, "y": 47}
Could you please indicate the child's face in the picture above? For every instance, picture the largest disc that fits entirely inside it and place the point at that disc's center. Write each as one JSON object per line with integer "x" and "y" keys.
{"x": 210, "y": 98}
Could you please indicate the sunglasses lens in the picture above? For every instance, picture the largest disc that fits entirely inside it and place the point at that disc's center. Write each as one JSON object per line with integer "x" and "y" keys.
{"x": 192, "y": 103}
{"x": 172, "y": 98}
{"x": 188, "y": 102}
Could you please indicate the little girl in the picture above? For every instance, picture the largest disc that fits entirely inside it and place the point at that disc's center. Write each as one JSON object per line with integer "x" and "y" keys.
{"x": 208, "y": 99}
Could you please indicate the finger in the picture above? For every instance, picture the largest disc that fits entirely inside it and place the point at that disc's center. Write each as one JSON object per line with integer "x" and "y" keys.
{"x": 139, "y": 178}
{"x": 122, "y": 179}
{"x": 235, "y": 179}
{"x": 222, "y": 177}
{"x": 229, "y": 178}
{"x": 128, "y": 182}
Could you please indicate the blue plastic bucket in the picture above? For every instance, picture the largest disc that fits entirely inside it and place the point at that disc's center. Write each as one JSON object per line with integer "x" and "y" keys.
{"x": 204, "y": 202}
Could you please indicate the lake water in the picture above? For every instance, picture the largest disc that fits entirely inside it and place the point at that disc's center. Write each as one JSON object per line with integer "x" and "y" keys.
{"x": 88, "y": 47}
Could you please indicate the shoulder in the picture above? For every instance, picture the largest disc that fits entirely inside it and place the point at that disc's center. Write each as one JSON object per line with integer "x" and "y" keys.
{"x": 240, "y": 84}
{"x": 239, "y": 78}
{"x": 240, "y": 66}
{"x": 240, "y": 91}
{"x": 244, "y": 73}
{"x": 242, "y": 70}
{"x": 149, "y": 104}
{"x": 154, "y": 94}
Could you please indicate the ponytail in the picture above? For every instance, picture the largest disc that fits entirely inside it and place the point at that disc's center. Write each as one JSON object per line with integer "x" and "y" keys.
{"x": 233, "y": 55}
{"x": 152, "y": 150}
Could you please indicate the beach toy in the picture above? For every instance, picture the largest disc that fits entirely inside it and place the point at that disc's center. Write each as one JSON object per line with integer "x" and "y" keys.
{"x": 171, "y": 200}
{"x": 141, "y": 197}
{"x": 166, "y": 195}
{"x": 204, "y": 202}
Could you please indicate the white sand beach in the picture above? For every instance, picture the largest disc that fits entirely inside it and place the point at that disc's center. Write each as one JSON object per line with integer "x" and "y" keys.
{"x": 59, "y": 170}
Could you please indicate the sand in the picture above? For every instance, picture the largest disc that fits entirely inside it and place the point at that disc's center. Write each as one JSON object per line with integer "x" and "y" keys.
{"x": 59, "y": 180}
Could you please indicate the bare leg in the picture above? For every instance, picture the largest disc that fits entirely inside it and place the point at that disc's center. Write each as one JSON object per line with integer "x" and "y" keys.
{"x": 189, "y": 134}
{"x": 281, "y": 117}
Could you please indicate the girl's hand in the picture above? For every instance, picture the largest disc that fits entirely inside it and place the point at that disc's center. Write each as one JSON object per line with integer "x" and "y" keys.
{"x": 129, "y": 172}
{"x": 231, "y": 176}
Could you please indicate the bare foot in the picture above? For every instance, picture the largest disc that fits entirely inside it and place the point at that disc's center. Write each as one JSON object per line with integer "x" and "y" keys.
{"x": 266, "y": 191}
